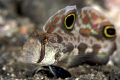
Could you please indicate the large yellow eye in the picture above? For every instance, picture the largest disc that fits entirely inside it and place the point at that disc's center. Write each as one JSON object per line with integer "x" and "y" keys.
{"x": 109, "y": 31}
{"x": 69, "y": 21}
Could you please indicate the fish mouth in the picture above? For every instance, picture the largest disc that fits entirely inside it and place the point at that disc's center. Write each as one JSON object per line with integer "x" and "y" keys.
{"x": 48, "y": 56}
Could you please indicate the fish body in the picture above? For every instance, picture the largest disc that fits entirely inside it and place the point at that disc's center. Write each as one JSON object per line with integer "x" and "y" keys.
{"x": 87, "y": 30}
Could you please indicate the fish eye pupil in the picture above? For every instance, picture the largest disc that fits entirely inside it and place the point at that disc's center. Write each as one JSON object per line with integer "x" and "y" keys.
{"x": 111, "y": 31}
{"x": 45, "y": 40}
{"x": 69, "y": 20}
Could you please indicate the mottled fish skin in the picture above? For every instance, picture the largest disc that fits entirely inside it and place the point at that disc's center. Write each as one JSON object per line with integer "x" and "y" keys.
{"x": 90, "y": 32}
{"x": 37, "y": 50}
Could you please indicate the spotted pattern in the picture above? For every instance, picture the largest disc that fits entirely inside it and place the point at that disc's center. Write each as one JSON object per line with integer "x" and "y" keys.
{"x": 86, "y": 35}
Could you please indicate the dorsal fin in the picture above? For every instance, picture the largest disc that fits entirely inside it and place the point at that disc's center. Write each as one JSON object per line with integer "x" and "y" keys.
{"x": 56, "y": 22}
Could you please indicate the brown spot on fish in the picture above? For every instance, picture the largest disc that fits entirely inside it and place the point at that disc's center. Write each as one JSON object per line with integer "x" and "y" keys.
{"x": 96, "y": 48}
{"x": 89, "y": 11}
{"x": 35, "y": 46}
{"x": 52, "y": 40}
{"x": 56, "y": 46}
{"x": 82, "y": 47}
{"x": 59, "y": 31}
{"x": 51, "y": 29}
{"x": 59, "y": 38}
{"x": 56, "y": 19}
{"x": 65, "y": 38}
{"x": 85, "y": 32}
{"x": 85, "y": 11}
{"x": 69, "y": 48}
{"x": 101, "y": 17}
{"x": 50, "y": 24}
{"x": 71, "y": 34}
{"x": 81, "y": 31}
{"x": 94, "y": 16}
{"x": 86, "y": 19}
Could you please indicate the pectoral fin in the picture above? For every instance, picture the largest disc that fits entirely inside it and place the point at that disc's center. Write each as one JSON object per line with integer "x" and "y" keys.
{"x": 91, "y": 59}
